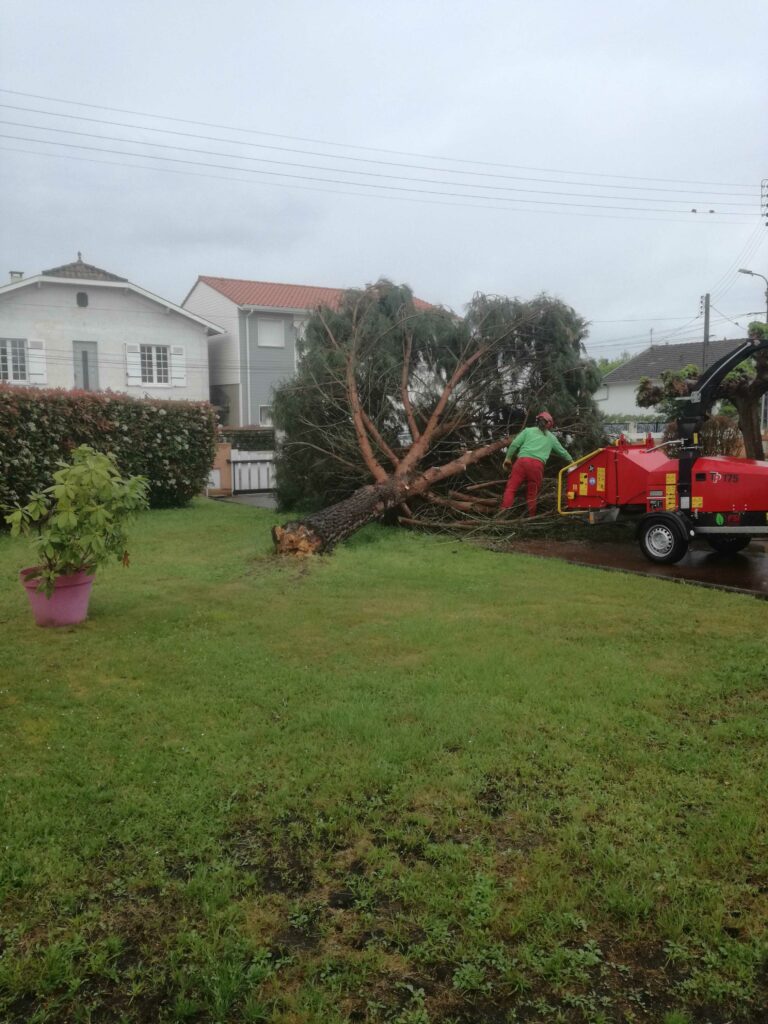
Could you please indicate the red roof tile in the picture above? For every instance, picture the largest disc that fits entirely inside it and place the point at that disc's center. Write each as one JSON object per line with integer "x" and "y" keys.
{"x": 281, "y": 296}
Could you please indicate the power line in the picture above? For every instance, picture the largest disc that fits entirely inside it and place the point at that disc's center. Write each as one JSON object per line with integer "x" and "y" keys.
{"x": 336, "y": 181}
{"x": 359, "y": 184}
{"x": 732, "y": 274}
{"x": 369, "y": 149}
{"x": 360, "y": 195}
{"x": 368, "y": 160}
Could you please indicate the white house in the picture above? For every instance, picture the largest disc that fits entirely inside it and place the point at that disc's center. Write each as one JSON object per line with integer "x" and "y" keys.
{"x": 616, "y": 396}
{"x": 78, "y": 326}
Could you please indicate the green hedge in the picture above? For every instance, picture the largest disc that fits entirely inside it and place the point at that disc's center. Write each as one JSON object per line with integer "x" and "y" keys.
{"x": 171, "y": 443}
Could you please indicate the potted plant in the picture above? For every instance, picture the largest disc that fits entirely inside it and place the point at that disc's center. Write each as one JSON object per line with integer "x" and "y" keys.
{"x": 78, "y": 523}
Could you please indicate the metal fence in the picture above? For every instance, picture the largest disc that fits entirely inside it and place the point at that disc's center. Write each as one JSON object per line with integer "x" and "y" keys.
{"x": 252, "y": 472}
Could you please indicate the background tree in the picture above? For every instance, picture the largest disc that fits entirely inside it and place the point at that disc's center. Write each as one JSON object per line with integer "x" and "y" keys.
{"x": 743, "y": 388}
{"x": 393, "y": 399}
{"x": 605, "y": 365}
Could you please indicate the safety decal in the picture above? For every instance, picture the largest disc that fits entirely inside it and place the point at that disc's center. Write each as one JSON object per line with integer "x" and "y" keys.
{"x": 697, "y": 502}
{"x": 583, "y": 483}
{"x": 719, "y": 519}
{"x": 671, "y": 478}
{"x": 601, "y": 478}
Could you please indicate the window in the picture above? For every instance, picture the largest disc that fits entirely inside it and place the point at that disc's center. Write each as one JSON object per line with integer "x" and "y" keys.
{"x": 154, "y": 364}
{"x": 82, "y": 299}
{"x": 265, "y": 415}
{"x": 13, "y": 359}
{"x": 270, "y": 333}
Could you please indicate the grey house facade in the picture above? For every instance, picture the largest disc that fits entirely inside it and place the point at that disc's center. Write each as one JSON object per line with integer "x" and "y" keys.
{"x": 262, "y": 322}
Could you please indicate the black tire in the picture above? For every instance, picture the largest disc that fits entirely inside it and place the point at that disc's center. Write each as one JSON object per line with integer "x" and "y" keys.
{"x": 662, "y": 540}
{"x": 728, "y": 543}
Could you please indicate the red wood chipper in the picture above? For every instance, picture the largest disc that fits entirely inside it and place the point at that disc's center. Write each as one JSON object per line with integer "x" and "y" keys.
{"x": 722, "y": 499}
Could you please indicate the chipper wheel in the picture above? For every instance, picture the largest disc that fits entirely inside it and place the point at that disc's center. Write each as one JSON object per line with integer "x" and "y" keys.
{"x": 662, "y": 539}
{"x": 728, "y": 543}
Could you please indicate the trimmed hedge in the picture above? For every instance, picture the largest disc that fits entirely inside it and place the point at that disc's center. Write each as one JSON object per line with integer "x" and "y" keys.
{"x": 171, "y": 443}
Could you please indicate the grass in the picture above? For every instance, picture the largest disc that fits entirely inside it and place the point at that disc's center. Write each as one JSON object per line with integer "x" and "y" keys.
{"x": 415, "y": 782}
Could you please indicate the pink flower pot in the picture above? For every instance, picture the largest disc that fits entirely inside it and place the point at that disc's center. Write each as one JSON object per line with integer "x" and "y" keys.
{"x": 67, "y": 605}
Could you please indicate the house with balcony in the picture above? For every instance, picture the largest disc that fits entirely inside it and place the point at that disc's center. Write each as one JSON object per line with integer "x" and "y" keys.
{"x": 78, "y": 326}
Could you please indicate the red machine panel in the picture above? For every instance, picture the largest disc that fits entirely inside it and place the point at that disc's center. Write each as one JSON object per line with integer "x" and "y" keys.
{"x": 626, "y": 474}
{"x": 591, "y": 483}
{"x": 722, "y": 484}
{"x": 638, "y": 476}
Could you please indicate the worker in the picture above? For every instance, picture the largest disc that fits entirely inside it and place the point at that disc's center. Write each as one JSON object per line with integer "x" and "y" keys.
{"x": 532, "y": 446}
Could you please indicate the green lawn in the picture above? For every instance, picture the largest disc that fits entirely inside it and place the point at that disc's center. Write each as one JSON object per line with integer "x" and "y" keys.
{"x": 414, "y": 782}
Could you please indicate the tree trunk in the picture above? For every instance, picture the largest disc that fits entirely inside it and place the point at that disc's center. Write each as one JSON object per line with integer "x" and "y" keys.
{"x": 749, "y": 425}
{"x": 321, "y": 531}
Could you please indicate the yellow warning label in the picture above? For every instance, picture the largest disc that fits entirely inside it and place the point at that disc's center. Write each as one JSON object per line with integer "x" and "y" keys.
{"x": 670, "y": 498}
{"x": 583, "y": 483}
{"x": 671, "y": 478}
{"x": 697, "y": 503}
{"x": 601, "y": 478}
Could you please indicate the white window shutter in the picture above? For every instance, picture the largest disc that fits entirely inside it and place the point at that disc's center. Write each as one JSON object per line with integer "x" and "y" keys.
{"x": 133, "y": 365}
{"x": 178, "y": 367}
{"x": 37, "y": 372}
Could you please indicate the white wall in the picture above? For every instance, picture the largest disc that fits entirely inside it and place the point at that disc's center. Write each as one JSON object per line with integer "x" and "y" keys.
{"x": 619, "y": 399}
{"x": 115, "y": 316}
{"x": 224, "y": 350}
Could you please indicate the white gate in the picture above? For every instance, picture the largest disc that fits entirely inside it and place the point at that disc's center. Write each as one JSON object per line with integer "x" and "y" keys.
{"x": 252, "y": 472}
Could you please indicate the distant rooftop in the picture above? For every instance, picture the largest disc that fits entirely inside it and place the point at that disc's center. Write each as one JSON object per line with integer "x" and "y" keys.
{"x": 658, "y": 358}
{"x": 82, "y": 271}
{"x": 271, "y": 295}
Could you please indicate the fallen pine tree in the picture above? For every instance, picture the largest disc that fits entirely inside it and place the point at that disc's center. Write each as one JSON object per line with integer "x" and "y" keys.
{"x": 399, "y": 397}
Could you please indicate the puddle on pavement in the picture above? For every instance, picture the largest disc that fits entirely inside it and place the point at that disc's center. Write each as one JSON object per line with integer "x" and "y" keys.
{"x": 747, "y": 571}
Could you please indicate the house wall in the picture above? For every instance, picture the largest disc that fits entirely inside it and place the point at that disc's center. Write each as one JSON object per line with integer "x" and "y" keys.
{"x": 223, "y": 351}
{"x": 243, "y": 370}
{"x": 115, "y": 316}
{"x": 619, "y": 399}
{"x": 264, "y": 366}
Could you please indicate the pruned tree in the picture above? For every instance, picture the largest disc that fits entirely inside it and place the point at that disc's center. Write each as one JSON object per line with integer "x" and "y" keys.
{"x": 392, "y": 399}
{"x": 743, "y": 387}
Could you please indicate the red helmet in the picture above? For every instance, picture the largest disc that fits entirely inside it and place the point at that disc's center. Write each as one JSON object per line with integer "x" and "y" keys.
{"x": 546, "y": 417}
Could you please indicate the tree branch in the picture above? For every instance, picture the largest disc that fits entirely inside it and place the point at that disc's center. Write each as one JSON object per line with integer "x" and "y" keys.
{"x": 370, "y": 426}
{"x": 419, "y": 448}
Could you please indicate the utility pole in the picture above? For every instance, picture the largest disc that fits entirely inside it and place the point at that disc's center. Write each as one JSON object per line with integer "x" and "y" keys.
{"x": 705, "y": 347}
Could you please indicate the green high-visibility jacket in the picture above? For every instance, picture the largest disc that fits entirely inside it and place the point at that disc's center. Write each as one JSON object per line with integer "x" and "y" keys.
{"x": 533, "y": 443}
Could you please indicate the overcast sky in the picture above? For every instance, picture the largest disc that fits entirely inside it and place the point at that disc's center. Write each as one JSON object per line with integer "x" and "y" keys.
{"x": 503, "y": 146}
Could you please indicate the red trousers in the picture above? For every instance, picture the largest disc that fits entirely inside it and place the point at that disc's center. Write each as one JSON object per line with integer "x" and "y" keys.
{"x": 530, "y": 472}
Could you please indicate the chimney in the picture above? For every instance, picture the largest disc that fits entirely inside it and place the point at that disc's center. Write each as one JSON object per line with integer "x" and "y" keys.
{"x": 16, "y": 275}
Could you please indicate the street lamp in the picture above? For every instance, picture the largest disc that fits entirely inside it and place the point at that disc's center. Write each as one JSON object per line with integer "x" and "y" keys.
{"x": 753, "y": 274}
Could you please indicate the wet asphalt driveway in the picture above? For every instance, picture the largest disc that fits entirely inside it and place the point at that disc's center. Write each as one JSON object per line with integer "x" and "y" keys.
{"x": 745, "y": 573}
